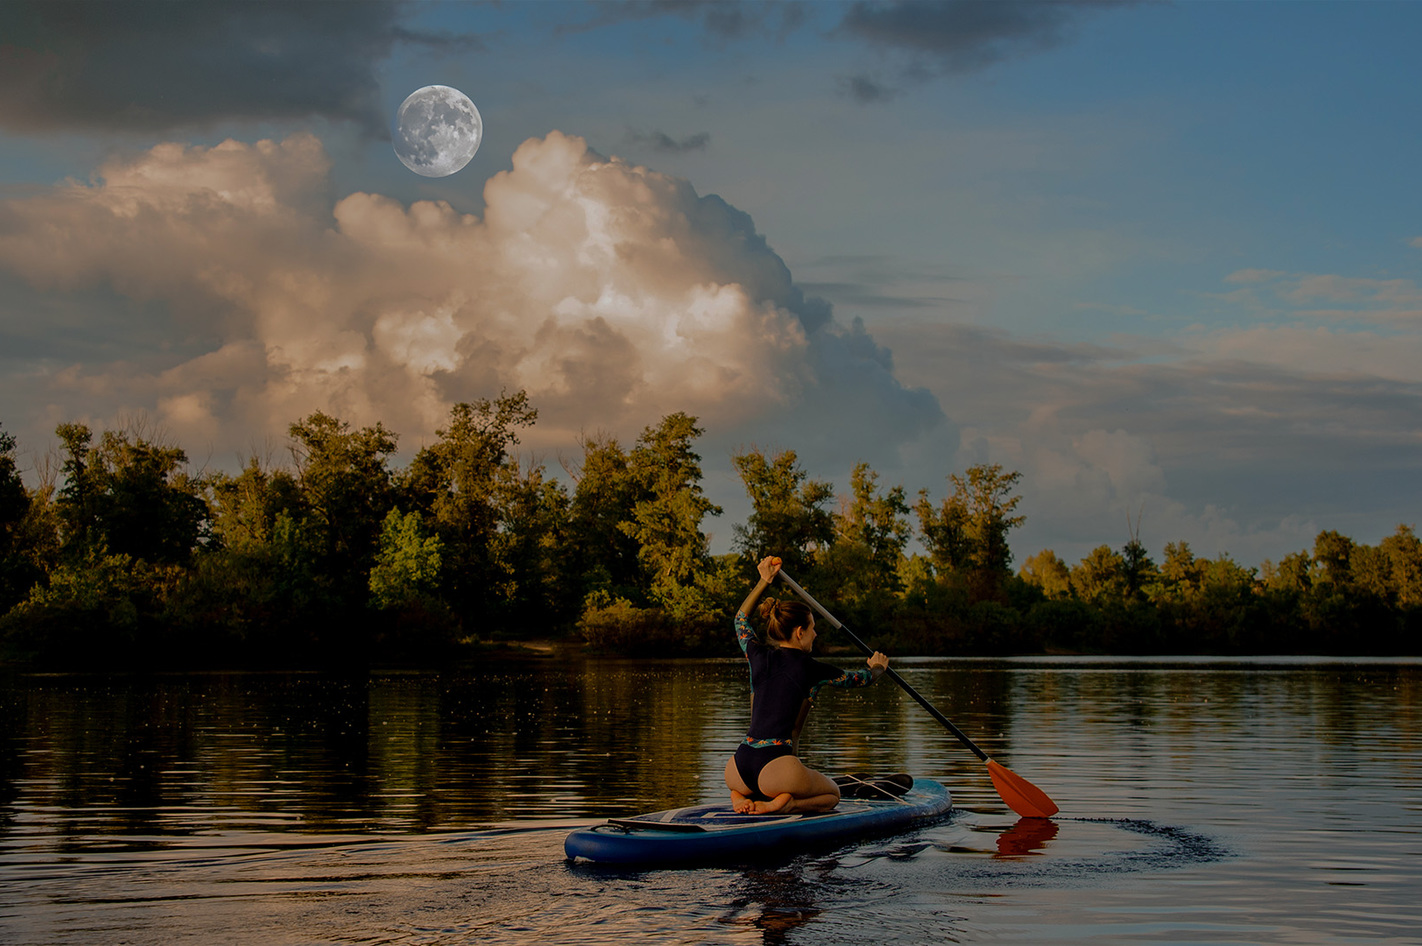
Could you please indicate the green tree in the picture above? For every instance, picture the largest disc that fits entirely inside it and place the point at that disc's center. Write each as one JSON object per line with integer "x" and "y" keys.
{"x": 346, "y": 492}
{"x": 653, "y": 495}
{"x": 916, "y": 577}
{"x": 599, "y": 550}
{"x": 1181, "y": 574}
{"x": 968, "y": 533}
{"x": 17, "y": 565}
{"x": 455, "y": 477}
{"x": 262, "y": 601}
{"x": 1333, "y": 559}
{"x": 407, "y": 564}
{"x": 1390, "y": 571}
{"x": 1370, "y": 574}
{"x": 1225, "y": 616}
{"x": 871, "y": 532}
{"x": 1291, "y": 575}
{"x": 1100, "y": 576}
{"x": 666, "y": 520}
{"x": 129, "y": 496}
{"x": 295, "y": 553}
{"x": 76, "y": 503}
{"x": 535, "y": 591}
{"x": 14, "y": 500}
{"x": 245, "y": 507}
{"x": 151, "y": 508}
{"x": 787, "y": 517}
{"x": 1404, "y": 555}
{"x": 463, "y": 481}
{"x": 1048, "y": 572}
{"x": 1138, "y": 570}
{"x": 261, "y": 590}
{"x": 1336, "y": 609}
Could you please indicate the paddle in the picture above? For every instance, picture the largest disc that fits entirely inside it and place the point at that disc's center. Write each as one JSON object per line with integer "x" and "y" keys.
{"x": 1021, "y": 796}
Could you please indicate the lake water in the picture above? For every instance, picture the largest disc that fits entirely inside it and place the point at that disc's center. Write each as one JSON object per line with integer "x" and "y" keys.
{"x": 1267, "y": 801}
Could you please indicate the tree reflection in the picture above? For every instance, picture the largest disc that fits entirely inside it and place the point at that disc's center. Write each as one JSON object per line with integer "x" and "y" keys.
{"x": 774, "y": 902}
{"x": 514, "y": 741}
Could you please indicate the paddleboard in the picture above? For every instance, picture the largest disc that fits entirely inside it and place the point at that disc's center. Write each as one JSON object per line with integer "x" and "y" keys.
{"x": 710, "y": 833}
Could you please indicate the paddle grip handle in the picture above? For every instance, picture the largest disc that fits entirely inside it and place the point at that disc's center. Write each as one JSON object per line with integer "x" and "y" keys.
{"x": 893, "y": 674}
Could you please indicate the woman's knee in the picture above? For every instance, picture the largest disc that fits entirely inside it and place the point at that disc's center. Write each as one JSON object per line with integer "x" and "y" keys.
{"x": 789, "y": 774}
{"x": 819, "y": 786}
{"x": 817, "y": 783}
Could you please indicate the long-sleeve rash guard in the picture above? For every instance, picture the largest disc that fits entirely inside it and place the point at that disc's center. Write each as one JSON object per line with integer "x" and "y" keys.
{"x": 784, "y": 682}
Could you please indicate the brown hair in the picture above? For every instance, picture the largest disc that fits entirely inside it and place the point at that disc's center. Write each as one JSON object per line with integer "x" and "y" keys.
{"x": 783, "y": 617}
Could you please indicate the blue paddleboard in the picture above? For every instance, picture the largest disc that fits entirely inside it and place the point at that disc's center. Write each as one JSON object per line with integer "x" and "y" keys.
{"x": 708, "y": 833}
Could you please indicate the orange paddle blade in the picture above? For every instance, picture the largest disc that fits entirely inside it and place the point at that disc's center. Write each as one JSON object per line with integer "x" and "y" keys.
{"x": 1021, "y": 796}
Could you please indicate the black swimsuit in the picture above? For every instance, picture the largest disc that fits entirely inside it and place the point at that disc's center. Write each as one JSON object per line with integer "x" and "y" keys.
{"x": 784, "y": 681}
{"x": 750, "y": 760}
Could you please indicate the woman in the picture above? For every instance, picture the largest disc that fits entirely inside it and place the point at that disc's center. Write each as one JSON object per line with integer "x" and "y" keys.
{"x": 765, "y": 775}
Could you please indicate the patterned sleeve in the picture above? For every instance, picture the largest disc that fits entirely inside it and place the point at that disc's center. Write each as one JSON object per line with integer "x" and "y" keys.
{"x": 835, "y": 677}
{"x": 744, "y": 634}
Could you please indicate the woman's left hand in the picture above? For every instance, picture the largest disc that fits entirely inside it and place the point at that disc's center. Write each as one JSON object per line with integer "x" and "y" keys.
{"x": 878, "y": 663}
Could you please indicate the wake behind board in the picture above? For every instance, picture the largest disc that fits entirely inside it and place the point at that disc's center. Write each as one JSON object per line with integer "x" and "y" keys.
{"x": 710, "y": 833}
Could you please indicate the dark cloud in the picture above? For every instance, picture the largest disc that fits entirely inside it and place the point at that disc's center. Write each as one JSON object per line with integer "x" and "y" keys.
{"x": 1223, "y": 448}
{"x": 926, "y": 38}
{"x": 854, "y": 294}
{"x": 866, "y": 90}
{"x": 155, "y": 66}
{"x": 966, "y": 35}
{"x": 1200, "y": 405}
{"x": 719, "y": 19}
{"x": 664, "y": 143}
{"x": 871, "y": 282}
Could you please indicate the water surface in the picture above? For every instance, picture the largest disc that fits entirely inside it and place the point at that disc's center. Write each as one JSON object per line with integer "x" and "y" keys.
{"x": 1265, "y": 801}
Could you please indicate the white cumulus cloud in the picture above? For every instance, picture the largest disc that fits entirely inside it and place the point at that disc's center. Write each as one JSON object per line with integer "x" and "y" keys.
{"x": 612, "y": 293}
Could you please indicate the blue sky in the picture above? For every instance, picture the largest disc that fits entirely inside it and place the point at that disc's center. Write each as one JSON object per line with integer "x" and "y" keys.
{"x": 1162, "y": 258}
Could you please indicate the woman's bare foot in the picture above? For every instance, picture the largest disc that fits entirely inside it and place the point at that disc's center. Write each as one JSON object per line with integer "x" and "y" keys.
{"x": 740, "y": 804}
{"x": 784, "y": 802}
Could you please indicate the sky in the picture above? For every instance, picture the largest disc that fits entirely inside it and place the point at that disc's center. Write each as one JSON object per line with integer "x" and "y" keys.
{"x": 1162, "y": 259}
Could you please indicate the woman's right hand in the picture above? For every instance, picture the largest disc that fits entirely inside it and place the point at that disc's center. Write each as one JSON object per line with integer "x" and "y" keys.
{"x": 768, "y": 567}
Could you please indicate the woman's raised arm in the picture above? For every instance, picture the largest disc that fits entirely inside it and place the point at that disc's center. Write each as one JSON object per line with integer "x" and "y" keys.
{"x": 767, "y": 567}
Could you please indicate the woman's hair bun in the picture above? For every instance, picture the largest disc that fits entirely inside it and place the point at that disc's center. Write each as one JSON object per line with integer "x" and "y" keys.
{"x": 783, "y": 617}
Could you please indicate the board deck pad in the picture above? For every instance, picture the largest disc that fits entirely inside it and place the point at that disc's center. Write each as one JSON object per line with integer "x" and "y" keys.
{"x": 706, "y": 833}
{"x": 713, "y": 818}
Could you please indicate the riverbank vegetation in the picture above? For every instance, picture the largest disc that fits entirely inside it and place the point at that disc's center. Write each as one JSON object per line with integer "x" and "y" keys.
{"x": 124, "y": 556}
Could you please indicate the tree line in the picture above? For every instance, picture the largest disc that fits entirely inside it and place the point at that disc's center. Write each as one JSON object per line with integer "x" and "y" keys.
{"x": 124, "y": 556}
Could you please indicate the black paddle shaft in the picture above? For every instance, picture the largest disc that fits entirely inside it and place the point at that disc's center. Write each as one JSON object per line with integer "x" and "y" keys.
{"x": 893, "y": 675}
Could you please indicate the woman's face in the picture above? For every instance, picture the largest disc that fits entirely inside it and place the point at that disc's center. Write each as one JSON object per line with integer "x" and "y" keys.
{"x": 805, "y": 636}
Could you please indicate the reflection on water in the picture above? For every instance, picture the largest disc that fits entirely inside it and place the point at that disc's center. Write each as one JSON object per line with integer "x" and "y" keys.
{"x": 401, "y": 752}
{"x": 1027, "y": 836}
{"x": 1217, "y": 802}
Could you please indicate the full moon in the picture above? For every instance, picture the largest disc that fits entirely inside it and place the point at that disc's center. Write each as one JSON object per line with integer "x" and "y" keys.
{"x": 437, "y": 131}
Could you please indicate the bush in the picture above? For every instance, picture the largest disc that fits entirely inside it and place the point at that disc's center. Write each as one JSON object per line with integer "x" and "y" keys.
{"x": 622, "y": 627}
{"x": 1064, "y": 625}
{"x": 996, "y": 629}
{"x": 90, "y": 613}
